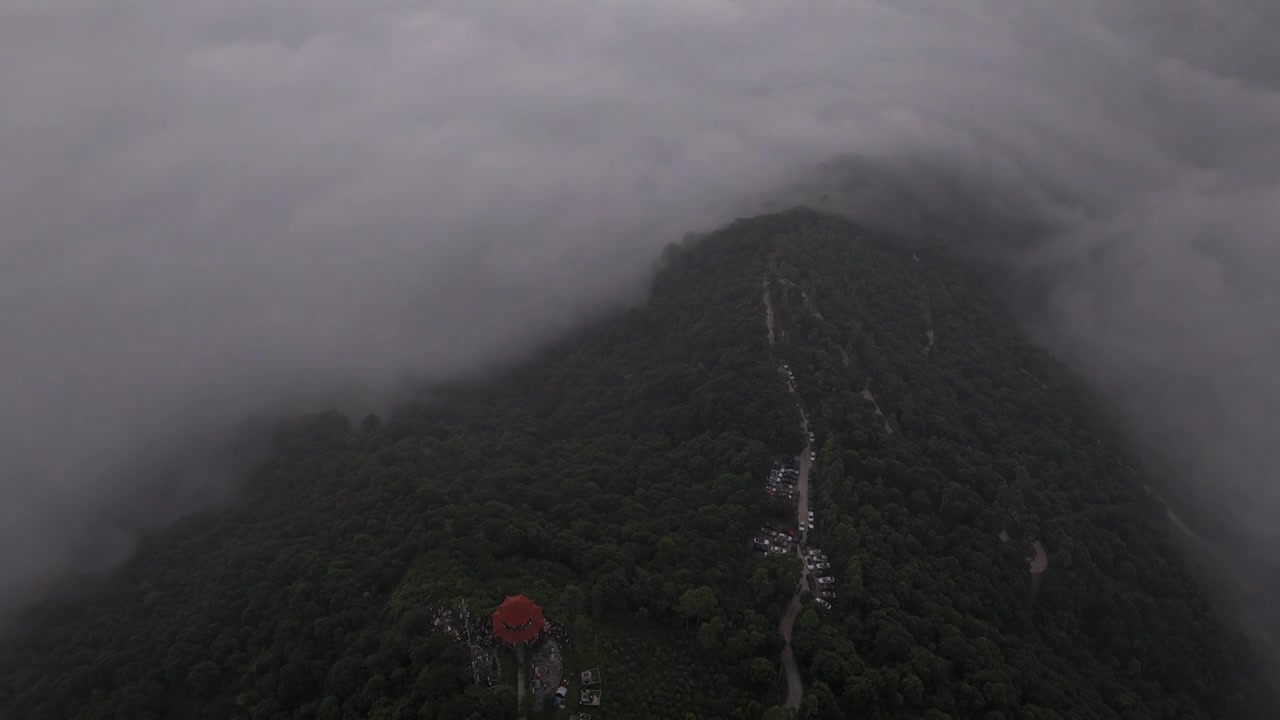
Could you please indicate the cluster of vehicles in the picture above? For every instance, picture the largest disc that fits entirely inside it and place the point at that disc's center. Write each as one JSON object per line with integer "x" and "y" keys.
{"x": 782, "y": 480}
{"x": 774, "y": 539}
{"x": 816, "y": 562}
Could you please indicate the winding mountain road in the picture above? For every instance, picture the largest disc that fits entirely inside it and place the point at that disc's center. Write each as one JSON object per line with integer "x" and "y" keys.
{"x": 795, "y": 684}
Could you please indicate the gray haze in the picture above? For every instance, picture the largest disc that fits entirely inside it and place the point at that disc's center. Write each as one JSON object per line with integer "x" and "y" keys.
{"x": 224, "y": 208}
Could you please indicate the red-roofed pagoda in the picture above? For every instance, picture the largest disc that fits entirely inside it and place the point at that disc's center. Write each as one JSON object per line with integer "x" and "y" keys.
{"x": 517, "y": 620}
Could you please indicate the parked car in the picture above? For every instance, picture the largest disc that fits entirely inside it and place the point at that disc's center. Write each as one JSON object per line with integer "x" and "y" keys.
{"x": 808, "y": 562}
{"x": 824, "y": 566}
{"x": 829, "y": 594}
{"x": 778, "y": 549}
{"x": 823, "y": 603}
{"x": 810, "y": 526}
{"x": 826, "y": 580}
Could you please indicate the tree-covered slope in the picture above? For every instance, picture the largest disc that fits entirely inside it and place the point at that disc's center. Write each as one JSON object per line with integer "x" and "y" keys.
{"x": 617, "y": 481}
{"x": 981, "y": 433}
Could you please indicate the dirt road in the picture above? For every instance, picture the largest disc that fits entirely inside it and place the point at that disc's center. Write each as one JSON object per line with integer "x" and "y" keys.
{"x": 795, "y": 685}
{"x": 768, "y": 310}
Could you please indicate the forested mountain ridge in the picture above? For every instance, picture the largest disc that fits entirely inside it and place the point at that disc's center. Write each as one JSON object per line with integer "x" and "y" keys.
{"x": 621, "y": 471}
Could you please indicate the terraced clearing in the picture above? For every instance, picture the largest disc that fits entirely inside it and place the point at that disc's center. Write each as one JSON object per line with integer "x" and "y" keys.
{"x": 653, "y": 676}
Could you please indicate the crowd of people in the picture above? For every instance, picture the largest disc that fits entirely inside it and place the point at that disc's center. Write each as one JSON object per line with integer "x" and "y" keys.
{"x": 484, "y": 652}
{"x": 551, "y": 643}
{"x": 477, "y": 635}
{"x": 558, "y": 631}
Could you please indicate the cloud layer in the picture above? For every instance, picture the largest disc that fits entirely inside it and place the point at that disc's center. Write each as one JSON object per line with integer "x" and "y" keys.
{"x": 217, "y": 209}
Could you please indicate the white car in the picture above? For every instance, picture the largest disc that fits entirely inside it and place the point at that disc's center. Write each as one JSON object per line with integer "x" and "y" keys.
{"x": 810, "y": 526}
{"x": 808, "y": 562}
{"x": 823, "y": 566}
{"x": 826, "y": 580}
{"x": 822, "y": 603}
{"x": 810, "y": 514}
{"x": 778, "y": 549}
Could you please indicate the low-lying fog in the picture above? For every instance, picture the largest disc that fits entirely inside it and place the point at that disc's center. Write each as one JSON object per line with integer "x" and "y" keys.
{"x": 219, "y": 209}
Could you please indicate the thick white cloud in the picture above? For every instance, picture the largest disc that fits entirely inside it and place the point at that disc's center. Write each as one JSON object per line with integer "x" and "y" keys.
{"x": 222, "y": 208}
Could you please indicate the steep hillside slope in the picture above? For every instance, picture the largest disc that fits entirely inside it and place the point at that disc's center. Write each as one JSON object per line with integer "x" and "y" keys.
{"x": 994, "y": 548}
{"x": 617, "y": 480}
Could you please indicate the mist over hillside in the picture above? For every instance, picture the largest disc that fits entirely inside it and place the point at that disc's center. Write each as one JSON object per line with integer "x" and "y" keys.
{"x": 235, "y": 209}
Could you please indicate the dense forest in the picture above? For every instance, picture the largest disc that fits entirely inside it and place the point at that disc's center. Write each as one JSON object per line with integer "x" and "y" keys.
{"x": 617, "y": 480}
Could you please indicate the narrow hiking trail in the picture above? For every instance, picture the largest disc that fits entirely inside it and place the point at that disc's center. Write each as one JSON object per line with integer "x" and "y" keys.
{"x": 1033, "y": 377}
{"x": 926, "y": 309}
{"x": 866, "y": 393}
{"x": 808, "y": 304}
{"x": 1039, "y": 560}
{"x": 1250, "y": 618}
{"x": 522, "y": 683}
{"x": 1173, "y": 516}
{"x": 1037, "y": 556}
{"x": 768, "y": 310}
{"x": 811, "y": 307}
{"x": 795, "y": 684}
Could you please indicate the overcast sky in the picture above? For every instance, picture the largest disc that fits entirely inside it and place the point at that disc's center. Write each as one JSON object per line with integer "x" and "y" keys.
{"x": 211, "y": 209}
